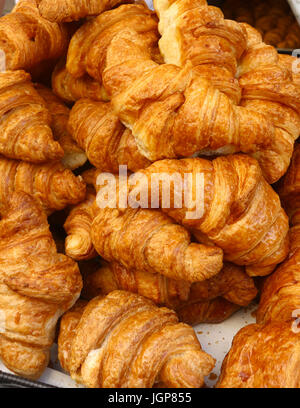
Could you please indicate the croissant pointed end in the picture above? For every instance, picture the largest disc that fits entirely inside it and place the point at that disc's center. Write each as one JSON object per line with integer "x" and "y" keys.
{"x": 78, "y": 246}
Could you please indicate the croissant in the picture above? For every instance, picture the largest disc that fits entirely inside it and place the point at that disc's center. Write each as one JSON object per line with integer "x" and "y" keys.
{"x": 206, "y": 312}
{"x": 70, "y": 89}
{"x": 78, "y": 243}
{"x": 72, "y": 10}
{"x": 149, "y": 241}
{"x": 37, "y": 286}
{"x": 289, "y": 189}
{"x": 232, "y": 283}
{"x": 263, "y": 357}
{"x": 107, "y": 143}
{"x": 25, "y": 132}
{"x": 51, "y": 184}
{"x": 292, "y": 64}
{"x": 196, "y": 32}
{"x": 172, "y": 111}
{"x": 125, "y": 341}
{"x": 280, "y": 297}
{"x": 74, "y": 157}
{"x": 28, "y": 39}
{"x": 268, "y": 88}
{"x": 158, "y": 288}
{"x": 241, "y": 213}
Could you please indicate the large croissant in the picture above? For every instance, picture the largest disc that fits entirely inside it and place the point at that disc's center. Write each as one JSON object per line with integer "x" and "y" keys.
{"x": 172, "y": 111}
{"x": 125, "y": 341}
{"x": 263, "y": 357}
{"x": 72, "y": 10}
{"x": 51, "y": 184}
{"x": 27, "y": 39}
{"x": 268, "y": 88}
{"x": 70, "y": 88}
{"x": 241, "y": 214}
{"x": 107, "y": 143}
{"x": 74, "y": 157}
{"x": 25, "y": 132}
{"x": 193, "y": 31}
{"x": 37, "y": 285}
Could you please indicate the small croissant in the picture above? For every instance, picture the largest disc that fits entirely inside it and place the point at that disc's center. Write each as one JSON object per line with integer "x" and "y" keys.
{"x": 74, "y": 157}
{"x": 28, "y": 39}
{"x": 37, "y": 285}
{"x": 25, "y": 132}
{"x": 124, "y": 341}
{"x": 54, "y": 186}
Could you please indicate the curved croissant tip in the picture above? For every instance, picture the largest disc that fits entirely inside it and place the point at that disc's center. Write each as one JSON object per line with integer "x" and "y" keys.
{"x": 77, "y": 246}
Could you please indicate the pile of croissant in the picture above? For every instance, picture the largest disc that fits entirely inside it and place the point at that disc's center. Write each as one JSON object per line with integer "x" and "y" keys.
{"x": 90, "y": 86}
{"x": 272, "y": 18}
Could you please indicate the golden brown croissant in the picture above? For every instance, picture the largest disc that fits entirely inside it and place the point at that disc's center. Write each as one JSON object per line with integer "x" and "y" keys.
{"x": 25, "y": 132}
{"x": 232, "y": 283}
{"x": 171, "y": 111}
{"x": 74, "y": 157}
{"x": 280, "y": 297}
{"x": 37, "y": 285}
{"x": 193, "y": 31}
{"x": 107, "y": 143}
{"x": 263, "y": 357}
{"x": 125, "y": 341}
{"x": 212, "y": 311}
{"x": 72, "y": 10}
{"x": 105, "y": 278}
{"x": 269, "y": 88}
{"x": 51, "y": 184}
{"x": 149, "y": 241}
{"x": 242, "y": 214}
{"x": 28, "y": 39}
{"x": 70, "y": 89}
{"x": 78, "y": 224}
